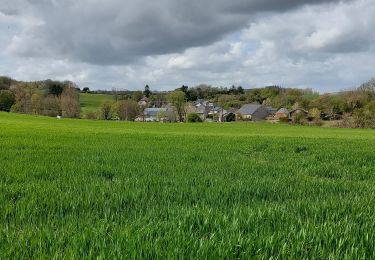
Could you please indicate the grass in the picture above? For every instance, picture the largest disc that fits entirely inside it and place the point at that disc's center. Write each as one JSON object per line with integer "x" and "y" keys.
{"x": 91, "y": 102}
{"x": 94, "y": 189}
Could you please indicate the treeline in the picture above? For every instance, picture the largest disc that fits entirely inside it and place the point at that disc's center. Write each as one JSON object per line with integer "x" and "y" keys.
{"x": 49, "y": 98}
{"x": 351, "y": 108}
{"x": 126, "y": 110}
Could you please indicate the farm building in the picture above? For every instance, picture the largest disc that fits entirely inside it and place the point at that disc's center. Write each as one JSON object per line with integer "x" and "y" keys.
{"x": 157, "y": 114}
{"x": 272, "y": 111}
{"x": 201, "y": 111}
{"x": 282, "y": 113}
{"x": 253, "y": 112}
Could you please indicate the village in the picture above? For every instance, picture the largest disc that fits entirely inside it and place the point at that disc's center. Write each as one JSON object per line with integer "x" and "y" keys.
{"x": 206, "y": 111}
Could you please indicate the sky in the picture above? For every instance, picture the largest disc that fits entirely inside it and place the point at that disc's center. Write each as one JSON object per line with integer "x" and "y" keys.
{"x": 327, "y": 45}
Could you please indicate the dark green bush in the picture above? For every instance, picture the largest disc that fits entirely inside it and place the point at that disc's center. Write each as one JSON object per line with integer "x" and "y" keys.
{"x": 194, "y": 118}
{"x": 7, "y": 100}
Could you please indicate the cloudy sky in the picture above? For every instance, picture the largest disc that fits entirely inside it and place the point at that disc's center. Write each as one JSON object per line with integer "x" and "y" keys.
{"x": 327, "y": 45}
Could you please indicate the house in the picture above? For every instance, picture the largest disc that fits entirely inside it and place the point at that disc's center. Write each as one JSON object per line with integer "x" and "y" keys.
{"x": 252, "y": 112}
{"x": 228, "y": 115}
{"x": 200, "y": 103}
{"x": 282, "y": 113}
{"x": 143, "y": 102}
{"x": 154, "y": 114}
{"x": 272, "y": 111}
{"x": 214, "y": 112}
{"x": 200, "y": 110}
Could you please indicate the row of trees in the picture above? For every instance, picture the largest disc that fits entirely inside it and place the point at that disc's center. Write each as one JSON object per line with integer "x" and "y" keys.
{"x": 126, "y": 110}
{"x": 49, "y": 98}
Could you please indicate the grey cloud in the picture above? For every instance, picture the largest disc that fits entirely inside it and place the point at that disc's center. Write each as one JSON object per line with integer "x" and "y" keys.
{"x": 326, "y": 45}
{"x": 273, "y": 5}
{"x": 122, "y": 32}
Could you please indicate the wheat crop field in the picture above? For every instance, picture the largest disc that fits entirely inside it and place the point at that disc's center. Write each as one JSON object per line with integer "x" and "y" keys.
{"x": 95, "y": 189}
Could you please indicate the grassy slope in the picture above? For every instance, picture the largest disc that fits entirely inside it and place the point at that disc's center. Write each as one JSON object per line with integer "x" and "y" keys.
{"x": 79, "y": 188}
{"x": 91, "y": 102}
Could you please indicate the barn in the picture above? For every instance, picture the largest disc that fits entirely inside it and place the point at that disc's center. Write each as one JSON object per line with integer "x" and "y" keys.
{"x": 282, "y": 113}
{"x": 252, "y": 112}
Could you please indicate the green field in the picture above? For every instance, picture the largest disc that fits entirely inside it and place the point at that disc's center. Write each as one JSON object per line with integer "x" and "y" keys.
{"x": 94, "y": 189}
{"x": 91, "y": 102}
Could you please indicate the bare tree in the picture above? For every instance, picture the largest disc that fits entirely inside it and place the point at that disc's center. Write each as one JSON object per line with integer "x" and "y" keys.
{"x": 127, "y": 110}
{"x": 105, "y": 111}
{"x": 69, "y": 102}
{"x": 51, "y": 106}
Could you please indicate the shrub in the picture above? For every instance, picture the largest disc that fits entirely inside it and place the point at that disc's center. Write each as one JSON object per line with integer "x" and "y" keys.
{"x": 231, "y": 117}
{"x": 284, "y": 120}
{"x": 194, "y": 118}
{"x": 317, "y": 122}
{"x": 315, "y": 114}
{"x": 299, "y": 118}
{"x": 91, "y": 115}
{"x": 106, "y": 111}
{"x": 364, "y": 117}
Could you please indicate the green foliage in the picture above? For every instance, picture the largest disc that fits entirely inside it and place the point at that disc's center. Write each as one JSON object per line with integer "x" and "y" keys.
{"x": 231, "y": 117}
{"x": 178, "y": 100}
{"x": 299, "y": 118}
{"x": 7, "y": 100}
{"x": 147, "y": 91}
{"x": 365, "y": 117}
{"x": 284, "y": 120}
{"x": 315, "y": 113}
{"x": 91, "y": 189}
{"x": 55, "y": 87}
{"x": 86, "y": 90}
{"x": 6, "y": 82}
{"x": 193, "y": 118}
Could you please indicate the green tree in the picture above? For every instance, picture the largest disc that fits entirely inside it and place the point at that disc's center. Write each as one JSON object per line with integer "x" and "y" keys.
{"x": 147, "y": 91}
{"x": 7, "y": 100}
{"x": 194, "y": 118}
{"x": 6, "y": 82}
{"x": 178, "y": 100}
{"x": 137, "y": 95}
{"x": 315, "y": 113}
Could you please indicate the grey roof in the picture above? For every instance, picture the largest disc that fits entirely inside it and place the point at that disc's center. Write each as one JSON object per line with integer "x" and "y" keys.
{"x": 271, "y": 110}
{"x": 283, "y": 110}
{"x": 249, "y": 109}
{"x": 199, "y": 110}
{"x": 299, "y": 110}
